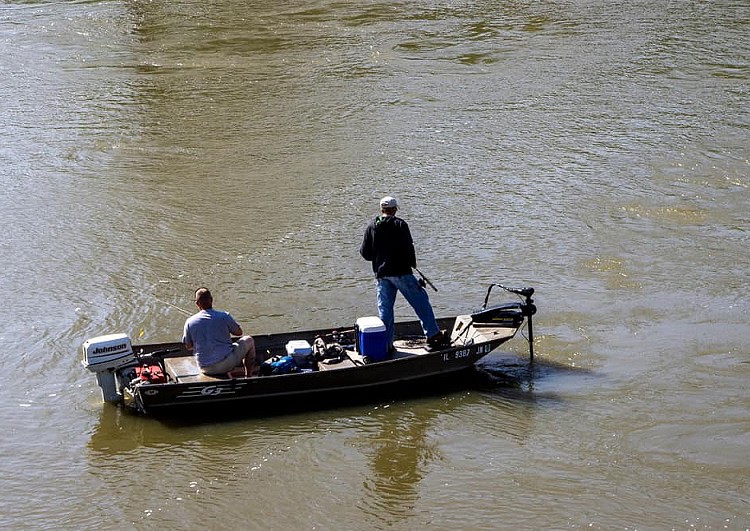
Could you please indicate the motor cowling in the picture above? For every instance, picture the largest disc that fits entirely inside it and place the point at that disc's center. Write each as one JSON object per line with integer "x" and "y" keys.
{"x": 107, "y": 352}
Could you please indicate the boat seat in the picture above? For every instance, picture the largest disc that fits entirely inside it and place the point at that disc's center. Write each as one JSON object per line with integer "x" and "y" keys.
{"x": 184, "y": 369}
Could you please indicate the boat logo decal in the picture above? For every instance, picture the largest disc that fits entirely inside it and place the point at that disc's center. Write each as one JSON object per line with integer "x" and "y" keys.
{"x": 211, "y": 390}
{"x": 150, "y": 392}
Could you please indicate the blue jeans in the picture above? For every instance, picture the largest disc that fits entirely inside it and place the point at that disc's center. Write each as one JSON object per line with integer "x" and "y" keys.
{"x": 408, "y": 285}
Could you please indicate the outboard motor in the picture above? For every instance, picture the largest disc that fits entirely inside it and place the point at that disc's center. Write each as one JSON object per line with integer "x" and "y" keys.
{"x": 103, "y": 355}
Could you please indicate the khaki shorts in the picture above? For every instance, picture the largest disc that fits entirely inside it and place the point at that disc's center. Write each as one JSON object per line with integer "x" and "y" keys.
{"x": 234, "y": 359}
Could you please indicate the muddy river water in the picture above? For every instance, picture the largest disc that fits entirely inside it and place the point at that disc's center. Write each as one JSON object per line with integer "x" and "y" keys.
{"x": 597, "y": 151}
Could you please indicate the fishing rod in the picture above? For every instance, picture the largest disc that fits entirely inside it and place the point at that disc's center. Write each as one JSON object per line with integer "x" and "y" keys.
{"x": 425, "y": 280}
{"x": 173, "y": 306}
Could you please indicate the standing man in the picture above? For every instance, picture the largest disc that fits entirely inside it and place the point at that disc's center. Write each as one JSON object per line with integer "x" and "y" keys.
{"x": 209, "y": 334}
{"x": 388, "y": 245}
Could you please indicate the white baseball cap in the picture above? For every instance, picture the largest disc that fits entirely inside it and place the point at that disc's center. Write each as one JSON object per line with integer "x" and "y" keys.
{"x": 388, "y": 202}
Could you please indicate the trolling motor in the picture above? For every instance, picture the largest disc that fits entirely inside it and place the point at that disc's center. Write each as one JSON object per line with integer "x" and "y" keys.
{"x": 509, "y": 315}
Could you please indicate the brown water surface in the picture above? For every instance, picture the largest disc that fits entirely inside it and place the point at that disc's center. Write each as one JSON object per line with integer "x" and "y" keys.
{"x": 597, "y": 151}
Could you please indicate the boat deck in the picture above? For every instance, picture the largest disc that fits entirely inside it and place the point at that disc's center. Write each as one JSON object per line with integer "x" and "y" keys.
{"x": 184, "y": 369}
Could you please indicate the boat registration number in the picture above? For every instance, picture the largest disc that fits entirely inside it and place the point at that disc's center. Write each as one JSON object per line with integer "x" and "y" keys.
{"x": 465, "y": 353}
{"x": 457, "y": 355}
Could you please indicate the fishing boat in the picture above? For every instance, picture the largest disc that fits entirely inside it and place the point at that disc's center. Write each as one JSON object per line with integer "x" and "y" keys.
{"x": 305, "y": 367}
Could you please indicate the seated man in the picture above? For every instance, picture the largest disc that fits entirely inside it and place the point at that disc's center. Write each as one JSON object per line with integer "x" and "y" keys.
{"x": 208, "y": 334}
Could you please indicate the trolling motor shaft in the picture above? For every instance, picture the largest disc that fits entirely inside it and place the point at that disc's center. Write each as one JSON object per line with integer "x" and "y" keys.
{"x": 527, "y": 308}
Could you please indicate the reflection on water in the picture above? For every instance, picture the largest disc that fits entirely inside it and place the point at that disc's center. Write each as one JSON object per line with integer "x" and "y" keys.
{"x": 392, "y": 446}
{"x": 400, "y": 454}
{"x": 120, "y": 432}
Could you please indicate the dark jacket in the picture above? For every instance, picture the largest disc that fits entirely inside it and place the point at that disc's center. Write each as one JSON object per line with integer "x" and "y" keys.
{"x": 388, "y": 245}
